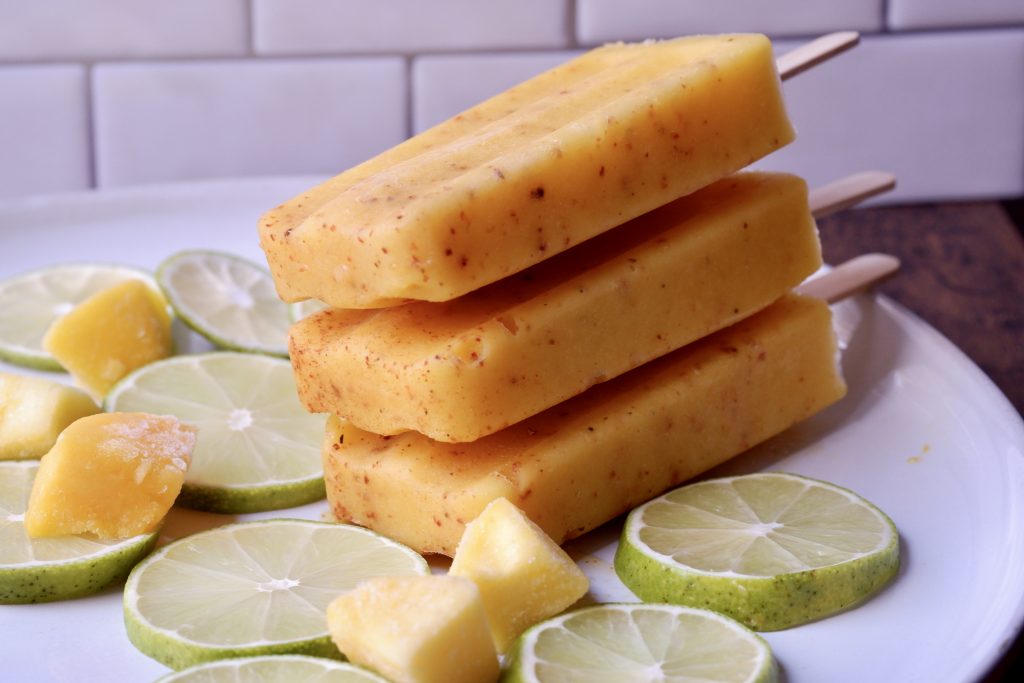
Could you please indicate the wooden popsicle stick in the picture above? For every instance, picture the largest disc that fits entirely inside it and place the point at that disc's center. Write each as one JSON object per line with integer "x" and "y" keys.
{"x": 849, "y": 191}
{"x": 815, "y": 52}
{"x": 851, "y": 277}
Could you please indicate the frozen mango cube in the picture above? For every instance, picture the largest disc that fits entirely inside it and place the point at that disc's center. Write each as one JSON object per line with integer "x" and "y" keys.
{"x": 113, "y": 475}
{"x": 111, "y": 333}
{"x": 416, "y": 629}
{"x": 530, "y": 173}
{"x": 33, "y": 411}
{"x": 524, "y": 577}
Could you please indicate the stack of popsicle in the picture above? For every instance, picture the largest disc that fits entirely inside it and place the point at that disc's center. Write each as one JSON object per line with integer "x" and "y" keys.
{"x": 561, "y": 296}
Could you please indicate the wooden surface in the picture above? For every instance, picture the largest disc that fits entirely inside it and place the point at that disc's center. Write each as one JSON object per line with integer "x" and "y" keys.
{"x": 963, "y": 272}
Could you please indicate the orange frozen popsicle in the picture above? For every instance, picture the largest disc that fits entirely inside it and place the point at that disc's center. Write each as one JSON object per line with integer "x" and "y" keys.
{"x": 589, "y": 459}
{"x": 459, "y": 370}
{"x": 531, "y": 172}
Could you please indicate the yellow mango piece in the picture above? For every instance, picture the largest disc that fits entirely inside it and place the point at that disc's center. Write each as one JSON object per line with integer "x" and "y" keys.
{"x": 586, "y": 461}
{"x": 530, "y": 173}
{"x": 524, "y": 577}
{"x": 415, "y": 629}
{"x": 114, "y": 475}
{"x": 111, "y": 333}
{"x": 33, "y": 411}
{"x": 460, "y": 370}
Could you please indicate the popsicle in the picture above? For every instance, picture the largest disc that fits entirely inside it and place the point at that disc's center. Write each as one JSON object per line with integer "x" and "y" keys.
{"x": 460, "y": 370}
{"x": 591, "y": 458}
{"x": 530, "y": 173}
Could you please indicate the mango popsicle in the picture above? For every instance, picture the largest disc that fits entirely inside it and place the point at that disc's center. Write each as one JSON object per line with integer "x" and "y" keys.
{"x": 585, "y": 461}
{"x": 459, "y": 370}
{"x": 531, "y": 172}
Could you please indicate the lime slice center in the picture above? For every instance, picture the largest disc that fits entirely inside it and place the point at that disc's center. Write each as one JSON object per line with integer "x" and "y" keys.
{"x": 242, "y": 299}
{"x": 764, "y": 528}
{"x": 239, "y": 419}
{"x": 276, "y": 585}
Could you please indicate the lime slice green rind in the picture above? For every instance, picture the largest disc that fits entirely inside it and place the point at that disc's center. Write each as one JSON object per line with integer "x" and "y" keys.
{"x": 615, "y": 643}
{"x": 229, "y": 300}
{"x": 46, "y": 582}
{"x": 165, "y": 649}
{"x": 50, "y": 569}
{"x": 228, "y": 500}
{"x": 819, "y": 571}
{"x": 253, "y": 588}
{"x": 32, "y": 300}
{"x": 273, "y": 669}
{"x": 258, "y": 448}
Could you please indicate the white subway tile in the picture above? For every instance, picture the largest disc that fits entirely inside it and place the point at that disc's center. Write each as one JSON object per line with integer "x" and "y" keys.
{"x": 158, "y": 122}
{"x": 915, "y": 14}
{"x": 446, "y": 85}
{"x": 943, "y": 111}
{"x": 43, "y": 130}
{"x": 91, "y": 29}
{"x": 309, "y": 26}
{"x": 599, "y": 21}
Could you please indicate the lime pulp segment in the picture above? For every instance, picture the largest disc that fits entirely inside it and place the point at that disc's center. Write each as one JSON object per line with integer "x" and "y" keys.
{"x": 772, "y": 550}
{"x": 255, "y": 588}
{"x": 47, "y": 569}
{"x": 227, "y": 299}
{"x": 258, "y": 448}
{"x": 301, "y": 309}
{"x": 622, "y": 643}
{"x": 33, "y": 300}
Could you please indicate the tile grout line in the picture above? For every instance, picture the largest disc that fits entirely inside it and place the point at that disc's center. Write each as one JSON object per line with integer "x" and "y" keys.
{"x": 409, "y": 96}
{"x": 571, "y": 32}
{"x": 89, "y": 114}
{"x": 249, "y": 26}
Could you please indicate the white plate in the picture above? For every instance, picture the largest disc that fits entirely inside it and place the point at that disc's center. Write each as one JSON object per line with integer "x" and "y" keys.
{"x": 923, "y": 434}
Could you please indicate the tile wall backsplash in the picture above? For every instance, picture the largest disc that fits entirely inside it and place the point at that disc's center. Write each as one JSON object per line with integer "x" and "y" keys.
{"x": 109, "y": 93}
{"x": 178, "y": 120}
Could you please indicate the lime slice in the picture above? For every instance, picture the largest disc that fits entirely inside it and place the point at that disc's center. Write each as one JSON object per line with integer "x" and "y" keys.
{"x": 273, "y": 669}
{"x": 301, "y": 309}
{"x": 256, "y": 588}
{"x": 46, "y": 569}
{"x": 230, "y": 301}
{"x": 612, "y": 643}
{"x": 771, "y": 550}
{"x": 31, "y": 302}
{"x": 258, "y": 449}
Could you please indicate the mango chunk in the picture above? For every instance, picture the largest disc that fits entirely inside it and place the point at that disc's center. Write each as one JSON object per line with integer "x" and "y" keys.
{"x": 114, "y": 475}
{"x": 110, "y": 334}
{"x": 583, "y": 462}
{"x": 33, "y": 411}
{"x": 416, "y": 629}
{"x": 524, "y": 577}
{"x": 605, "y": 138}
